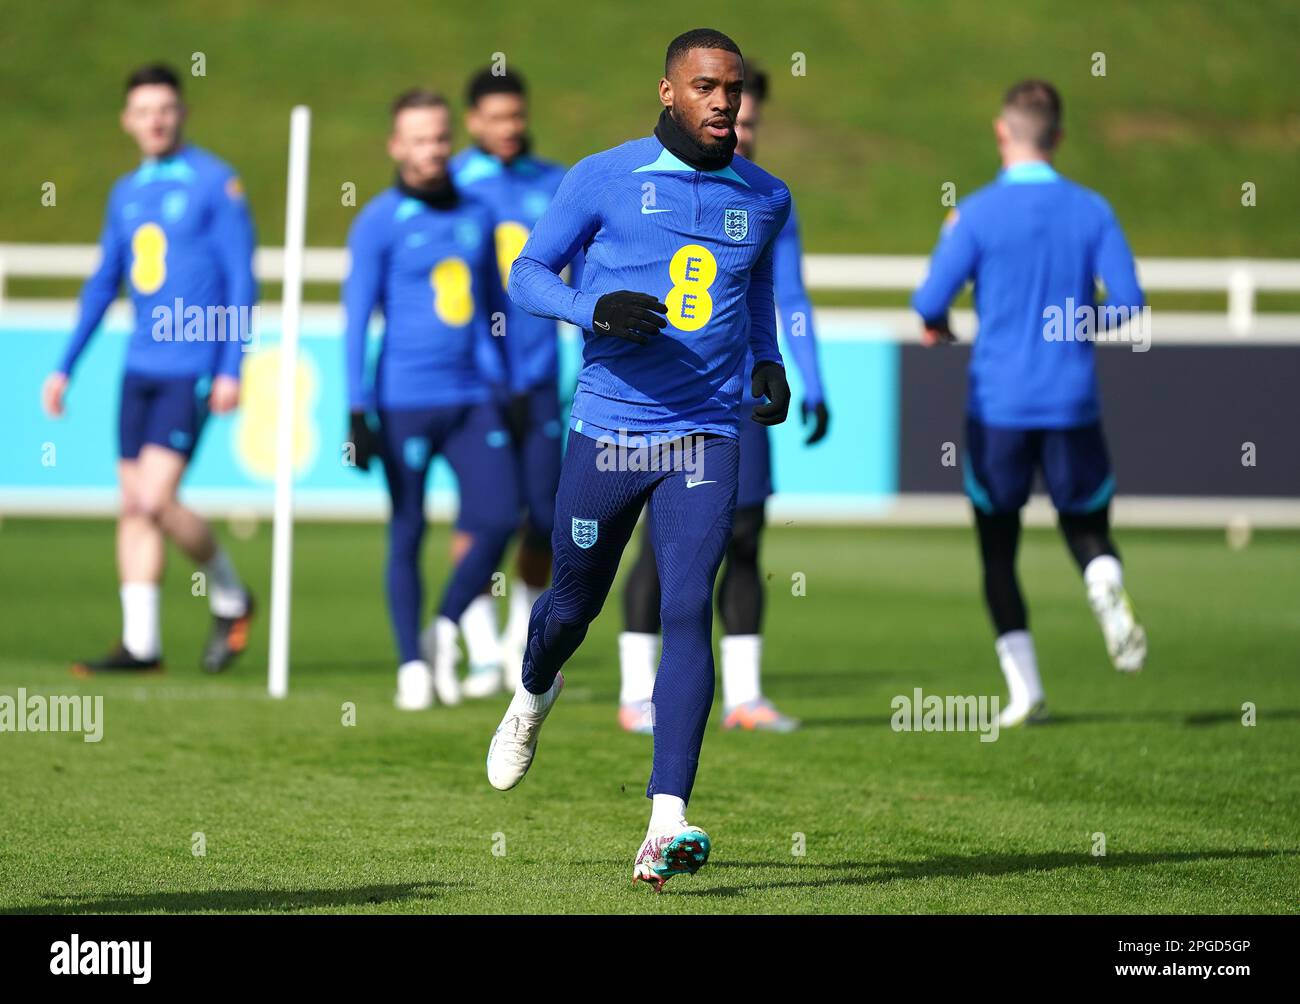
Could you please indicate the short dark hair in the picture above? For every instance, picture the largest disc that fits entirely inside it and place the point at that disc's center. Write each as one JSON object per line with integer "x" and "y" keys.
{"x": 1038, "y": 104}
{"x": 697, "y": 38}
{"x": 486, "y": 82}
{"x": 756, "y": 83}
{"x": 153, "y": 73}
{"x": 417, "y": 97}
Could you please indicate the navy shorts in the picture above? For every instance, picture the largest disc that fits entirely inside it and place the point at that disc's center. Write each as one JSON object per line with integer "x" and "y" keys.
{"x": 474, "y": 441}
{"x": 162, "y": 411}
{"x": 538, "y": 461}
{"x": 755, "y": 463}
{"x": 1000, "y": 464}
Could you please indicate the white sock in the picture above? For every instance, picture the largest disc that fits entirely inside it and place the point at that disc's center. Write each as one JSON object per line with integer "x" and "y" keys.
{"x": 226, "y": 595}
{"x": 741, "y": 656}
{"x": 667, "y": 812}
{"x": 1020, "y": 667}
{"x": 638, "y": 658}
{"x": 526, "y": 700}
{"x": 1103, "y": 571}
{"x": 140, "y": 631}
{"x": 522, "y": 598}
{"x": 478, "y": 626}
{"x": 447, "y": 646}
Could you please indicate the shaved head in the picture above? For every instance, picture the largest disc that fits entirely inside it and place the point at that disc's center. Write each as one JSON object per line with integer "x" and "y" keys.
{"x": 1031, "y": 110}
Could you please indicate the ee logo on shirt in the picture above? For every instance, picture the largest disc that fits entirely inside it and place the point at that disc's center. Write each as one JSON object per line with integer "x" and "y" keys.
{"x": 510, "y": 240}
{"x": 453, "y": 301}
{"x": 149, "y": 258}
{"x": 692, "y": 270}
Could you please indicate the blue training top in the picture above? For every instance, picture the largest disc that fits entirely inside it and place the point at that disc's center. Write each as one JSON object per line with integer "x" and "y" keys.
{"x": 517, "y": 193}
{"x": 179, "y": 231}
{"x": 1034, "y": 243}
{"x": 433, "y": 274}
{"x": 700, "y": 241}
{"x": 795, "y": 310}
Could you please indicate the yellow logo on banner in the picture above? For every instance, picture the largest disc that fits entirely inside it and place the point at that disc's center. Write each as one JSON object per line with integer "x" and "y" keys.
{"x": 149, "y": 258}
{"x": 692, "y": 270}
{"x": 511, "y": 238}
{"x": 259, "y": 396}
{"x": 453, "y": 300}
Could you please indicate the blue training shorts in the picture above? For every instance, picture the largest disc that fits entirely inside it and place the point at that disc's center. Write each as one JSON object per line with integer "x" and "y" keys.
{"x": 1000, "y": 464}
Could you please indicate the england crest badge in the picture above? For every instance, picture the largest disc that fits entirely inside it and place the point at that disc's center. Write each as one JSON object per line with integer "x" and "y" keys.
{"x": 585, "y": 532}
{"x": 735, "y": 223}
{"x": 174, "y": 204}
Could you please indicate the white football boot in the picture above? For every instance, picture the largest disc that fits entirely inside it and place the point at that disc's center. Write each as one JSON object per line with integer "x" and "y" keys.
{"x": 1023, "y": 713}
{"x": 482, "y": 681}
{"x": 680, "y": 850}
{"x": 414, "y": 686}
{"x": 1126, "y": 640}
{"x": 440, "y": 646}
{"x": 514, "y": 744}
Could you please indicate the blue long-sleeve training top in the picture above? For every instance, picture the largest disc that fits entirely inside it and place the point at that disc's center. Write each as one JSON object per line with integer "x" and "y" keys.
{"x": 795, "y": 309}
{"x": 432, "y": 272}
{"x": 1035, "y": 244}
{"x": 178, "y": 231}
{"x": 518, "y": 193}
{"x": 702, "y": 242}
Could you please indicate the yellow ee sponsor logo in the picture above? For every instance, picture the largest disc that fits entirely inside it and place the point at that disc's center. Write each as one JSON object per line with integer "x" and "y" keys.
{"x": 510, "y": 240}
{"x": 148, "y": 258}
{"x": 259, "y": 394}
{"x": 453, "y": 300}
{"x": 692, "y": 270}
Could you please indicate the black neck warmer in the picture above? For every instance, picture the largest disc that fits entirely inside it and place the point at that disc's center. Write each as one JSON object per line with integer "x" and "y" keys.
{"x": 685, "y": 148}
{"x": 444, "y": 196}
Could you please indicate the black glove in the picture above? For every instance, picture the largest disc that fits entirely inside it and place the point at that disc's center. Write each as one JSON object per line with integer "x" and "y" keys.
{"x": 516, "y": 413}
{"x": 942, "y": 333}
{"x": 634, "y": 316}
{"x": 769, "y": 382}
{"x": 822, "y": 419}
{"x": 363, "y": 440}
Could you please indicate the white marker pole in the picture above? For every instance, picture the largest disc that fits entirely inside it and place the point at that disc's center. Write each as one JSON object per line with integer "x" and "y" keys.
{"x": 277, "y": 681}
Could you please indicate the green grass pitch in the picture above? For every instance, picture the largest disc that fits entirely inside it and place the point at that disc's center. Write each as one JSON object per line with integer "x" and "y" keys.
{"x": 299, "y": 813}
{"x": 874, "y": 107}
